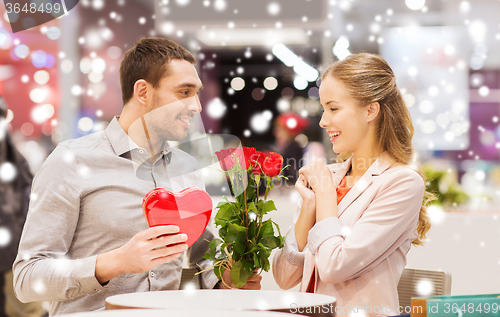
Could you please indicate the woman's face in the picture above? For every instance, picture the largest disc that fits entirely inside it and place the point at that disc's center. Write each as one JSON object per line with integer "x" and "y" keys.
{"x": 343, "y": 119}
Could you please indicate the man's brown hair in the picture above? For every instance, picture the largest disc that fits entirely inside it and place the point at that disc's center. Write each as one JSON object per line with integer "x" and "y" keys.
{"x": 148, "y": 60}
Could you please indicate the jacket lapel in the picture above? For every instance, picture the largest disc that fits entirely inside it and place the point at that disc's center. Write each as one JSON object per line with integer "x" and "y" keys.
{"x": 377, "y": 168}
{"x": 339, "y": 171}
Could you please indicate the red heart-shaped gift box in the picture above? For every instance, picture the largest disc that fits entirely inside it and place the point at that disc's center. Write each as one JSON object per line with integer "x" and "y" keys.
{"x": 189, "y": 209}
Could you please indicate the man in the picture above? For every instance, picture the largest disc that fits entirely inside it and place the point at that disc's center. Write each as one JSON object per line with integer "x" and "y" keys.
{"x": 14, "y": 198}
{"x": 86, "y": 237}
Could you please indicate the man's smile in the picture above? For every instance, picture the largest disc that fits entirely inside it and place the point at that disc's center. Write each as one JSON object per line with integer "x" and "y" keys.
{"x": 186, "y": 121}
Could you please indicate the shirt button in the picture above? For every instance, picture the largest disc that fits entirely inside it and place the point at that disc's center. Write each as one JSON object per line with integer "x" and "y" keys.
{"x": 141, "y": 151}
{"x": 151, "y": 274}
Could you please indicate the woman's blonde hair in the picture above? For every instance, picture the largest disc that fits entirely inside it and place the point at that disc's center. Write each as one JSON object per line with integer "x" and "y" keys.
{"x": 368, "y": 78}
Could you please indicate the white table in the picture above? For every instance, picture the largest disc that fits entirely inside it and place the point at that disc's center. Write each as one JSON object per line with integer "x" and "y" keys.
{"x": 233, "y": 300}
{"x": 174, "y": 313}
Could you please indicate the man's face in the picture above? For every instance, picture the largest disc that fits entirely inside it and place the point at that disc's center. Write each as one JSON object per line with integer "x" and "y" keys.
{"x": 174, "y": 102}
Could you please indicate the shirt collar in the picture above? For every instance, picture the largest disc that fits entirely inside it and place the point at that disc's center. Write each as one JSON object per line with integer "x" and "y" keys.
{"x": 119, "y": 139}
{"x": 122, "y": 143}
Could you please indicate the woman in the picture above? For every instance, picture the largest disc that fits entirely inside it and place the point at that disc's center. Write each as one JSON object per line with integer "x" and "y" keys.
{"x": 353, "y": 244}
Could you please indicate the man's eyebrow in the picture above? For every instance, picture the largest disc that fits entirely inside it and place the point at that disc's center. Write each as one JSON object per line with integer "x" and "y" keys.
{"x": 189, "y": 85}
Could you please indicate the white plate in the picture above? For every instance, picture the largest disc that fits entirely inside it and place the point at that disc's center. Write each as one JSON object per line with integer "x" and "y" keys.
{"x": 220, "y": 300}
{"x": 172, "y": 313}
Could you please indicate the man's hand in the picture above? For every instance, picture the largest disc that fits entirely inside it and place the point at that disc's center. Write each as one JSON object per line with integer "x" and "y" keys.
{"x": 146, "y": 250}
{"x": 252, "y": 283}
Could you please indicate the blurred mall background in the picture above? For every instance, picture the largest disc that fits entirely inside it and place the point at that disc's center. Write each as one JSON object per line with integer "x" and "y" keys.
{"x": 262, "y": 58}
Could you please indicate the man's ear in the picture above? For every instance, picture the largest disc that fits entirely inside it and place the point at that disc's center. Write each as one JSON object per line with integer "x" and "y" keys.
{"x": 373, "y": 110}
{"x": 141, "y": 89}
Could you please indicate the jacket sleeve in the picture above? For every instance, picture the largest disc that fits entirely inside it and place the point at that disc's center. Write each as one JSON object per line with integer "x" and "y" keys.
{"x": 288, "y": 262}
{"x": 41, "y": 271}
{"x": 345, "y": 253}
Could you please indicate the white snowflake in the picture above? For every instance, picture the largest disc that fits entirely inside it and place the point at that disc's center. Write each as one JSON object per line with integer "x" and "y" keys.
{"x": 220, "y": 5}
{"x": 425, "y": 287}
{"x": 273, "y": 8}
{"x": 39, "y": 287}
{"x": 7, "y": 172}
{"x": 5, "y": 237}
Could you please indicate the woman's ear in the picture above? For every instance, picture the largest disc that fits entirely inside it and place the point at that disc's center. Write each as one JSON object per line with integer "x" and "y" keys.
{"x": 373, "y": 110}
{"x": 141, "y": 91}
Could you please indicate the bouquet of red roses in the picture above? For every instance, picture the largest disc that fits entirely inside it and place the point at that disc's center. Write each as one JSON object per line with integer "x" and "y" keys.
{"x": 246, "y": 240}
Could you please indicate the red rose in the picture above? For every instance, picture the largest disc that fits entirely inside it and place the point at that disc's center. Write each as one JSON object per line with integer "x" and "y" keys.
{"x": 249, "y": 153}
{"x": 229, "y": 157}
{"x": 272, "y": 164}
{"x": 257, "y": 162}
{"x": 252, "y": 159}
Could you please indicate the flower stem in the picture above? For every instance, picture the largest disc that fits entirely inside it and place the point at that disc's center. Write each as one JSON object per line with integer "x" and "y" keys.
{"x": 257, "y": 183}
{"x": 246, "y": 216}
{"x": 268, "y": 180}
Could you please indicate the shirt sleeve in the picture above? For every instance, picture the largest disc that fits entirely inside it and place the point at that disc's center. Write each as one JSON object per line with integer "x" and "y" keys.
{"x": 42, "y": 271}
{"x": 387, "y": 222}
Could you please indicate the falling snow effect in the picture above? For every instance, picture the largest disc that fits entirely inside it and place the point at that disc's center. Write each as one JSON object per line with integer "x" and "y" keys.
{"x": 455, "y": 108}
{"x": 7, "y": 172}
{"x": 5, "y": 237}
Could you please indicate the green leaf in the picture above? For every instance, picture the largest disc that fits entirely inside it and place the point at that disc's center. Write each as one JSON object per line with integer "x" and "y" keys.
{"x": 239, "y": 275}
{"x": 220, "y": 223}
{"x": 212, "y": 245}
{"x": 236, "y": 256}
{"x": 223, "y": 231}
{"x": 233, "y": 231}
{"x": 266, "y": 253}
{"x": 251, "y": 192}
{"x": 234, "y": 228}
{"x": 260, "y": 208}
{"x": 265, "y": 262}
{"x": 269, "y": 206}
{"x": 226, "y": 211}
{"x": 282, "y": 241}
{"x": 247, "y": 265}
{"x": 222, "y": 203}
{"x": 252, "y": 230}
{"x": 257, "y": 248}
{"x": 240, "y": 243}
{"x": 212, "y": 250}
{"x": 260, "y": 203}
{"x": 266, "y": 229}
{"x": 256, "y": 260}
{"x": 270, "y": 242}
{"x": 280, "y": 237}
{"x": 251, "y": 207}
